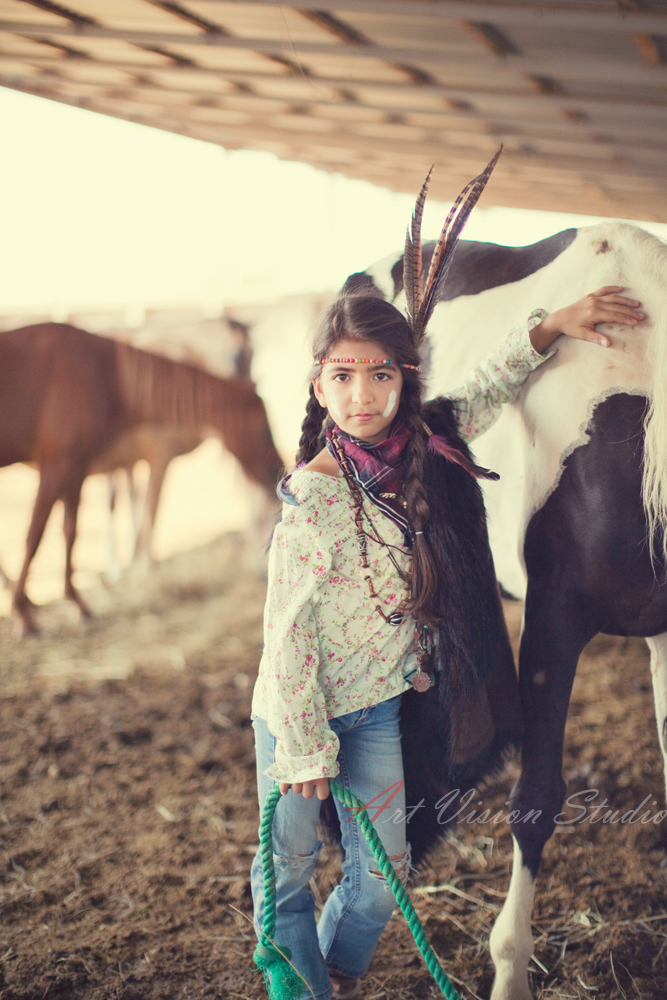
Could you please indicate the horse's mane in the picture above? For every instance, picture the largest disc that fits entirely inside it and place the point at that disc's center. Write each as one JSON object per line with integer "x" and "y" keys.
{"x": 158, "y": 390}
{"x": 647, "y": 263}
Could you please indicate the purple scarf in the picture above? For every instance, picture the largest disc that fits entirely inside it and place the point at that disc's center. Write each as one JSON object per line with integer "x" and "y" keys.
{"x": 378, "y": 469}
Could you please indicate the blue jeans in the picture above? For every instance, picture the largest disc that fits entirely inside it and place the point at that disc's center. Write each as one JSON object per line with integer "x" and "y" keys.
{"x": 357, "y": 911}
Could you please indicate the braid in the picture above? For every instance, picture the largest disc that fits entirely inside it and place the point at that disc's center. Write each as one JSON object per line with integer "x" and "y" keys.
{"x": 424, "y": 569}
{"x": 310, "y": 442}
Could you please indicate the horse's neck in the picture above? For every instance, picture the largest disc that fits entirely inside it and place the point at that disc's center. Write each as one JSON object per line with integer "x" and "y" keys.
{"x": 156, "y": 390}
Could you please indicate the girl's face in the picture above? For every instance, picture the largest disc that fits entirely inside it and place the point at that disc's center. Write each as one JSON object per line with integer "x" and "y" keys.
{"x": 362, "y": 399}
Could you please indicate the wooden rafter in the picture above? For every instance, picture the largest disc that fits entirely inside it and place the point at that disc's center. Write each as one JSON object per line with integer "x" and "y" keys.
{"x": 492, "y": 38}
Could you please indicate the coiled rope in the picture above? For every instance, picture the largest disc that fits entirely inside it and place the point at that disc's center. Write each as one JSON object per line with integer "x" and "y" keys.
{"x": 282, "y": 980}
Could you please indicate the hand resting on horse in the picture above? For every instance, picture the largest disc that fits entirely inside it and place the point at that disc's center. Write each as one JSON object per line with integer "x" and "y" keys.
{"x": 579, "y": 319}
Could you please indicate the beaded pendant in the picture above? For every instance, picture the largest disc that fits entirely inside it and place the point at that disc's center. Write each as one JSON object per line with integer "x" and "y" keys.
{"x": 420, "y": 681}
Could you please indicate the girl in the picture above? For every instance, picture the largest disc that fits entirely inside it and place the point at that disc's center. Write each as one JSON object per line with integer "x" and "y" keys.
{"x": 360, "y": 601}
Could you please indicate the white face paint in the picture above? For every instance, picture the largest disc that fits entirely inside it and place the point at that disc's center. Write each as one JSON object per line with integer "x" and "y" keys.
{"x": 391, "y": 403}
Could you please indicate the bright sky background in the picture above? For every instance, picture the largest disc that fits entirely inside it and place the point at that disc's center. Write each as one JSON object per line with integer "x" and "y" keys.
{"x": 97, "y": 211}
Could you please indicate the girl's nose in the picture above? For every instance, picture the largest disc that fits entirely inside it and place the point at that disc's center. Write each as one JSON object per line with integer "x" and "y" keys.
{"x": 362, "y": 392}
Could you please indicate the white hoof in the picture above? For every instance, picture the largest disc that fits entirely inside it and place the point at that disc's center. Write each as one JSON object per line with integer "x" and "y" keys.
{"x": 511, "y": 987}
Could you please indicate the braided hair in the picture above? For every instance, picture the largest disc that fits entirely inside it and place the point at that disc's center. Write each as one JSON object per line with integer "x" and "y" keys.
{"x": 312, "y": 429}
{"x": 364, "y": 317}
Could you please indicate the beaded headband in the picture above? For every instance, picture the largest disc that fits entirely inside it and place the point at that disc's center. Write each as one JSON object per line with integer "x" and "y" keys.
{"x": 366, "y": 361}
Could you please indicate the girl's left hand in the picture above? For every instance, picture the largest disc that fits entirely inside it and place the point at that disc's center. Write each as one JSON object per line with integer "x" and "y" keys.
{"x": 579, "y": 320}
{"x": 306, "y": 788}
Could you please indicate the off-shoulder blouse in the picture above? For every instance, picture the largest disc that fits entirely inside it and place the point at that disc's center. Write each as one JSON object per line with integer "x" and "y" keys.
{"x": 326, "y": 653}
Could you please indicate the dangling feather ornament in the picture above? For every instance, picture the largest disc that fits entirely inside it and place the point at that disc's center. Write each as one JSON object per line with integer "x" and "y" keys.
{"x": 440, "y": 445}
{"x": 413, "y": 266}
{"x": 422, "y": 296}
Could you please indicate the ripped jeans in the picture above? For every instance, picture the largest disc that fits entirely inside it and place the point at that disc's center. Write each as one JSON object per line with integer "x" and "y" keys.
{"x": 357, "y": 911}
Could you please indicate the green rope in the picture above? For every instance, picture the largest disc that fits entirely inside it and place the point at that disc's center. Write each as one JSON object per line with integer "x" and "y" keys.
{"x": 282, "y": 980}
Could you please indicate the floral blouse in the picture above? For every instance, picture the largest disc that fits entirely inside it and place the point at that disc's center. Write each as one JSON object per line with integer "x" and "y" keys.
{"x": 327, "y": 653}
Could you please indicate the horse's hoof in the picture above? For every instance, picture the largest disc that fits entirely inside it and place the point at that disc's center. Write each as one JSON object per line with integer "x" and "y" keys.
{"x": 26, "y": 606}
{"x": 23, "y": 624}
{"x": 84, "y": 610}
{"x": 511, "y": 989}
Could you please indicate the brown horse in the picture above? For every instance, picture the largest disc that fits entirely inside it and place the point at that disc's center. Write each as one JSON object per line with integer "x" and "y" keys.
{"x": 66, "y": 396}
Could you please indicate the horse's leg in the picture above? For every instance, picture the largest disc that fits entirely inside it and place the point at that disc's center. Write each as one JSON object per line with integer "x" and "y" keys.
{"x": 554, "y": 635}
{"x": 113, "y": 571}
{"x": 71, "y": 497}
{"x": 137, "y": 503}
{"x": 159, "y": 463}
{"x": 657, "y": 645}
{"x": 51, "y": 478}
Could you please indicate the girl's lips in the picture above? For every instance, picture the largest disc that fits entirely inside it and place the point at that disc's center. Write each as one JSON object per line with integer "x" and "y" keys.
{"x": 363, "y": 416}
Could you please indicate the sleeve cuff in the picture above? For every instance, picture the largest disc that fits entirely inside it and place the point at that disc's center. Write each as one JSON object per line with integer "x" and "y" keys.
{"x": 533, "y": 357}
{"x": 307, "y": 768}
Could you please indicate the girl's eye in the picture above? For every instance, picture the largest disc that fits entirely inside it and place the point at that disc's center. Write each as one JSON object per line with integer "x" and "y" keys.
{"x": 383, "y": 376}
{"x": 341, "y": 377}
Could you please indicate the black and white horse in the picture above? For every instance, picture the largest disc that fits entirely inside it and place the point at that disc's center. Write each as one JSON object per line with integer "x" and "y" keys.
{"x": 576, "y": 522}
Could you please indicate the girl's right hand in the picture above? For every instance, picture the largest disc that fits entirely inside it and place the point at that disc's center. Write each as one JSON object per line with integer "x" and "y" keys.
{"x": 307, "y": 788}
{"x": 578, "y": 320}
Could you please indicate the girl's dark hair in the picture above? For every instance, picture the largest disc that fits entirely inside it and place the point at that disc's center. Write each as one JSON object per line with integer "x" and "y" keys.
{"x": 367, "y": 317}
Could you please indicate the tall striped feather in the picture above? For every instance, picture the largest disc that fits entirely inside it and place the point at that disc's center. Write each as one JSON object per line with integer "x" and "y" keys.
{"x": 444, "y": 249}
{"x": 413, "y": 271}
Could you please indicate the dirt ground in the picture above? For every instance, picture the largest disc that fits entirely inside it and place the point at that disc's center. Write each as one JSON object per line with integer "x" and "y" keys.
{"x": 128, "y": 815}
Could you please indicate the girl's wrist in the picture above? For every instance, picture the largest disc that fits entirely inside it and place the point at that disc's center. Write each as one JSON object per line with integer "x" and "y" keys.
{"x": 543, "y": 335}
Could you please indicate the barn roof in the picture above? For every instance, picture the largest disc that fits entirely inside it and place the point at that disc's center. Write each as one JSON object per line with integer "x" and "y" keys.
{"x": 379, "y": 89}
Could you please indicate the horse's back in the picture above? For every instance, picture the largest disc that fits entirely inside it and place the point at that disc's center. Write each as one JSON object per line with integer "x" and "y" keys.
{"x": 54, "y": 380}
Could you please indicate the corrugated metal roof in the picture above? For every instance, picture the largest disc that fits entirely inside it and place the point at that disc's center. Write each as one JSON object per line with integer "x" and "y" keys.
{"x": 380, "y": 89}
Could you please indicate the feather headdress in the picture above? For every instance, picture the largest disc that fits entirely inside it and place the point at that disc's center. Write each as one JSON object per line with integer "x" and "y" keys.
{"x": 421, "y": 295}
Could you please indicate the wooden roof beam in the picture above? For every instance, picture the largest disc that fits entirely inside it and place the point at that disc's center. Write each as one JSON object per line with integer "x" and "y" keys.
{"x": 339, "y": 29}
{"x": 186, "y": 15}
{"x": 56, "y": 8}
{"x": 505, "y": 126}
{"x": 346, "y": 33}
{"x": 492, "y": 38}
{"x": 453, "y": 98}
{"x": 264, "y": 130}
{"x": 503, "y": 14}
{"x": 500, "y": 44}
{"x": 546, "y": 66}
{"x": 513, "y": 161}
